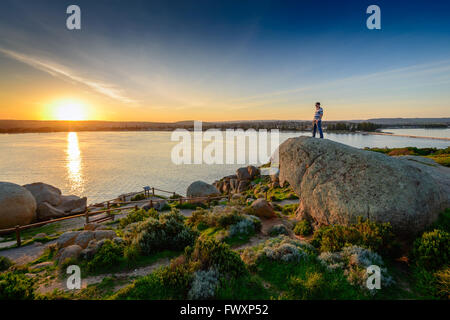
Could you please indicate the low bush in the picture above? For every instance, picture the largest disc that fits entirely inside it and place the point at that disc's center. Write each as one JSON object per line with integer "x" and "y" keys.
{"x": 303, "y": 228}
{"x": 289, "y": 209}
{"x": 354, "y": 261}
{"x": 212, "y": 254}
{"x": 278, "y": 229}
{"x": 431, "y": 250}
{"x": 282, "y": 248}
{"x": 108, "y": 256}
{"x": 204, "y": 285}
{"x": 167, "y": 233}
{"x": 365, "y": 233}
{"x": 137, "y": 216}
{"x": 16, "y": 286}
{"x": 138, "y": 197}
{"x": 5, "y": 263}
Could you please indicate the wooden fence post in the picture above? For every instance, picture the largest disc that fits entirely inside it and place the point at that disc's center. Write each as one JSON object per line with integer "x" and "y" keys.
{"x": 87, "y": 216}
{"x": 229, "y": 196}
{"x": 19, "y": 242}
{"x": 107, "y": 205}
{"x": 135, "y": 207}
{"x": 151, "y": 203}
{"x": 153, "y": 191}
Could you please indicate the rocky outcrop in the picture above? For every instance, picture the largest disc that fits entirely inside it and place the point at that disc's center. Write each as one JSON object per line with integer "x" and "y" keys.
{"x": 17, "y": 205}
{"x": 51, "y": 204}
{"x": 337, "y": 183}
{"x": 238, "y": 182}
{"x": 43, "y": 192}
{"x": 262, "y": 208}
{"x": 201, "y": 189}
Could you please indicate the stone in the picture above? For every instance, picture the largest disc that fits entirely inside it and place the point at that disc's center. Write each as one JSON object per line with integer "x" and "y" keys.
{"x": 45, "y": 211}
{"x": 67, "y": 239}
{"x": 337, "y": 183}
{"x": 104, "y": 234}
{"x": 17, "y": 205}
{"x": 70, "y": 252}
{"x": 160, "y": 205}
{"x": 43, "y": 192}
{"x": 243, "y": 186}
{"x": 201, "y": 189}
{"x": 254, "y": 172}
{"x": 242, "y": 174}
{"x": 84, "y": 237}
{"x": 91, "y": 226}
{"x": 73, "y": 204}
{"x": 262, "y": 208}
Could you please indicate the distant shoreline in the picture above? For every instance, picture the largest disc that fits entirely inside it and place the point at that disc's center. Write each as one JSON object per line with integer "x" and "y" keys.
{"x": 406, "y": 136}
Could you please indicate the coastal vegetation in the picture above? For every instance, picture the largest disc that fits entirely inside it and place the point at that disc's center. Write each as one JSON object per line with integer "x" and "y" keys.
{"x": 441, "y": 156}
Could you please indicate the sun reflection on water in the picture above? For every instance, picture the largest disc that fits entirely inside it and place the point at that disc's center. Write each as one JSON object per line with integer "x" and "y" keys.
{"x": 74, "y": 163}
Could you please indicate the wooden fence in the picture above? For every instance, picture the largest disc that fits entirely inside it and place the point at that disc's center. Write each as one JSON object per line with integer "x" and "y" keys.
{"x": 109, "y": 210}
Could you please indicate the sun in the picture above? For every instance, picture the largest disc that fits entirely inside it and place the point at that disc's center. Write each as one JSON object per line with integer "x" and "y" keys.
{"x": 70, "y": 110}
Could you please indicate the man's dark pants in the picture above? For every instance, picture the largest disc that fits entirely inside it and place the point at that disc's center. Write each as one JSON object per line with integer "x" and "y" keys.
{"x": 318, "y": 124}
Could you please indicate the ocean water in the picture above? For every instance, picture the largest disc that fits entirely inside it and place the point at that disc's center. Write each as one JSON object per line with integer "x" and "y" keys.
{"x": 102, "y": 165}
{"x": 438, "y": 133}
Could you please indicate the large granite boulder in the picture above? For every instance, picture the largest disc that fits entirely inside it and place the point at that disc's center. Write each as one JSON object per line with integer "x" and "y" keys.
{"x": 17, "y": 205}
{"x": 337, "y": 183}
{"x": 45, "y": 211}
{"x": 43, "y": 192}
{"x": 201, "y": 189}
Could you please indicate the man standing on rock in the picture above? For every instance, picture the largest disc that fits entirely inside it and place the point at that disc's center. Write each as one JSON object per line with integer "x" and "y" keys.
{"x": 317, "y": 122}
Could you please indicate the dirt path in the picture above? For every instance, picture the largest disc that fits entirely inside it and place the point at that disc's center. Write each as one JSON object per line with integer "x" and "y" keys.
{"x": 26, "y": 254}
{"x": 60, "y": 284}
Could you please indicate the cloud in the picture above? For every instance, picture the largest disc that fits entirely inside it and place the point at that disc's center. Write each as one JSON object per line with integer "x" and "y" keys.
{"x": 106, "y": 89}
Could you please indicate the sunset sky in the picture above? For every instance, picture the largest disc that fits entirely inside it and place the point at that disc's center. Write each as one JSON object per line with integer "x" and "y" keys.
{"x": 223, "y": 60}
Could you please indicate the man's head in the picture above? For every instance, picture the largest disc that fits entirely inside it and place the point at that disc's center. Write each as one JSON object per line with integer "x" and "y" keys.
{"x": 317, "y": 105}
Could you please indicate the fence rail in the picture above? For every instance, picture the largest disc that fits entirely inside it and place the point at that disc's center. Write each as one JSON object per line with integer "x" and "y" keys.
{"x": 151, "y": 202}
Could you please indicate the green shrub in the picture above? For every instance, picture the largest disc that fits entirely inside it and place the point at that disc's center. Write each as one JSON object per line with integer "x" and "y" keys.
{"x": 166, "y": 283}
{"x": 209, "y": 253}
{"x": 108, "y": 256}
{"x": 443, "y": 221}
{"x": 137, "y": 216}
{"x": 303, "y": 228}
{"x": 167, "y": 233}
{"x": 277, "y": 230}
{"x": 5, "y": 263}
{"x": 365, "y": 233}
{"x": 138, "y": 197}
{"x": 289, "y": 209}
{"x": 431, "y": 250}
{"x": 16, "y": 286}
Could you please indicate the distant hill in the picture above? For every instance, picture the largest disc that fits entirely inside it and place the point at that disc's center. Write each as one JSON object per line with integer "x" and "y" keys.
{"x": 28, "y": 126}
{"x": 409, "y": 121}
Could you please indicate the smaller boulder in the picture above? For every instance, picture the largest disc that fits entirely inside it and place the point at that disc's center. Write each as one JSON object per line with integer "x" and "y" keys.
{"x": 83, "y": 238}
{"x": 201, "y": 189}
{"x": 43, "y": 192}
{"x": 73, "y": 204}
{"x": 253, "y": 171}
{"x": 263, "y": 209}
{"x": 104, "y": 234}
{"x": 67, "y": 239}
{"x": 70, "y": 252}
{"x": 242, "y": 174}
{"x": 45, "y": 211}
